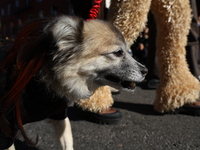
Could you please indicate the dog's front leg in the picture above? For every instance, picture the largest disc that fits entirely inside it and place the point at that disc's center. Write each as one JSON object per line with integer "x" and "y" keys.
{"x": 63, "y": 132}
{"x": 11, "y": 148}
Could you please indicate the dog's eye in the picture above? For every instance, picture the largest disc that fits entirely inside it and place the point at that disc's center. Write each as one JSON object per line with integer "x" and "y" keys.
{"x": 118, "y": 53}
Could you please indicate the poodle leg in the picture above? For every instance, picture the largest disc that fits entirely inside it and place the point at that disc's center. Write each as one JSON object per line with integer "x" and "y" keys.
{"x": 64, "y": 133}
{"x": 11, "y": 148}
{"x": 177, "y": 85}
{"x": 129, "y": 16}
{"x": 99, "y": 101}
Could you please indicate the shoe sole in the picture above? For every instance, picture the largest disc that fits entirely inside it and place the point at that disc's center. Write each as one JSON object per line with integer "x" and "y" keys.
{"x": 187, "y": 110}
{"x": 104, "y": 121}
{"x": 98, "y": 118}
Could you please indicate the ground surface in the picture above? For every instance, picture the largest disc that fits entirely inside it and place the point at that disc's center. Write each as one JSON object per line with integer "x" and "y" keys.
{"x": 140, "y": 128}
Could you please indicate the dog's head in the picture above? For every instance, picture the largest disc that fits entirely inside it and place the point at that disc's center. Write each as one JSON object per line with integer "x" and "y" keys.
{"x": 86, "y": 55}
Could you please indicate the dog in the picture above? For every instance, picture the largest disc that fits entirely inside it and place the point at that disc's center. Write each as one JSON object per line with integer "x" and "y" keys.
{"x": 54, "y": 62}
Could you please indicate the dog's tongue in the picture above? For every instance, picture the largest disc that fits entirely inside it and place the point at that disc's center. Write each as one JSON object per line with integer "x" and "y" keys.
{"x": 128, "y": 85}
{"x": 125, "y": 84}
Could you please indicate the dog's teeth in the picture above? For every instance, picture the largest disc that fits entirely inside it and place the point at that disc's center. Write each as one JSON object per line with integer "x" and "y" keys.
{"x": 132, "y": 84}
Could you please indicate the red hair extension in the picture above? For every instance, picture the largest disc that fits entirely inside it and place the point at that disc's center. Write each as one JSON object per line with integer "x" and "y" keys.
{"x": 94, "y": 10}
{"x": 26, "y": 57}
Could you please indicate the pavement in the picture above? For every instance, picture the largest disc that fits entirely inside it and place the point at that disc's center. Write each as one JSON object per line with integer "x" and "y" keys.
{"x": 141, "y": 128}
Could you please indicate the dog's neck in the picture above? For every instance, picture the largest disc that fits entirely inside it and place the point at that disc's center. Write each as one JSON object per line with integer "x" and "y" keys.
{"x": 73, "y": 88}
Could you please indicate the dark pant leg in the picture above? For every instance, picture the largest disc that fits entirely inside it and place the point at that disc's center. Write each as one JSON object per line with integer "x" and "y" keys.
{"x": 192, "y": 52}
{"x": 192, "y": 48}
{"x": 151, "y": 63}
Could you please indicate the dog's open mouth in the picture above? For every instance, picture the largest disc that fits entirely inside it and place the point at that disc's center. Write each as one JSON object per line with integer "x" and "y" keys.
{"x": 125, "y": 84}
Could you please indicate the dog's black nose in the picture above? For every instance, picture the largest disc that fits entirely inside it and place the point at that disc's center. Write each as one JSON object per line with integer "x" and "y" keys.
{"x": 144, "y": 71}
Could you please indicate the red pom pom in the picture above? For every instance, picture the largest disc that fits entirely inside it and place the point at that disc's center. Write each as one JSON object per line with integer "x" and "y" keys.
{"x": 94, "y": 10}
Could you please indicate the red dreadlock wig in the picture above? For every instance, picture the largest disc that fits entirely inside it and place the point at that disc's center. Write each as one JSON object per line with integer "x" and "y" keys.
{"x": 26, "y": 56}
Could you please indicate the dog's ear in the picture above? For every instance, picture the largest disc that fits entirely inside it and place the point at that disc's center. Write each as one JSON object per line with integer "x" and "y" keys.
{"x": 66, "y": 31}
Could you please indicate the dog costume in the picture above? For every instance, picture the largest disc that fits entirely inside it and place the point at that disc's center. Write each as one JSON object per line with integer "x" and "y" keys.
{"x": 38, "y": 107}
{"x": 44, "y": 104}
{"x": 177, "y": 85}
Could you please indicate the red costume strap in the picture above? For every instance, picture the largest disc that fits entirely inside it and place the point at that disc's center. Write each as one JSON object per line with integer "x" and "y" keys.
{"x": 94, "y": 10}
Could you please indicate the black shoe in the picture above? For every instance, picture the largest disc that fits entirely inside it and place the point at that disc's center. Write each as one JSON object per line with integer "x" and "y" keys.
{"x": 105, "y": 118}
{"x": 152, "y": 83}
{"x": 187, "y": 110}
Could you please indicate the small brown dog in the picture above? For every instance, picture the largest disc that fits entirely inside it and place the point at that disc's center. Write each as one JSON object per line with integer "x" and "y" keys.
{"x": 54, "y": 62}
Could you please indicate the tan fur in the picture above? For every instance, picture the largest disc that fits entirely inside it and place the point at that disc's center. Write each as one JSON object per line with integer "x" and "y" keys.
{"x": 99, "y": 101}
{"x": 178, "y": 86}
{"x": 129, "y": 16}
{"x": 85, "y": 56}
{"x": 95, "y": 54}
